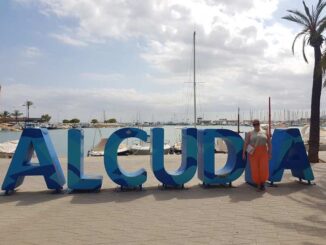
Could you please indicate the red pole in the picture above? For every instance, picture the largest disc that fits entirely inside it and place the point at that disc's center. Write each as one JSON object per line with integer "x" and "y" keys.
{"x": 269, "y": 117}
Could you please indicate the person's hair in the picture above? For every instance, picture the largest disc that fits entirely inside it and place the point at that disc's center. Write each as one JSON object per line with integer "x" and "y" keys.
{"x": 255, "y": 121}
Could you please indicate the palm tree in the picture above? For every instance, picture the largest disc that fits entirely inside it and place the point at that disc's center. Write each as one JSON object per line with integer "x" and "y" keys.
{"x": 313, "y": 25}
{"x": 16, "y": 114}
{"x": 5, "y": 115}
{"x": 28, "y": 104}
{"x": 46, "y": 118}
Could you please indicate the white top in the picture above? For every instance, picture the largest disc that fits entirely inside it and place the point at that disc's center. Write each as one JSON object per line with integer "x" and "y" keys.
{"x": 258, "y": 138}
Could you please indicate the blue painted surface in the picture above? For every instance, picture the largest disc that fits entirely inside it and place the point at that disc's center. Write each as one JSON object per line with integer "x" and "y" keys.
{"x": 234, "y": 166}
{"x": 248, "y": 176}
{"x": 189, "y": 158}
{"x": 288, "y": 152}
{"x": 37, "y": 140}
{"x": 118, "y": 175}
{"x": 77, "y": 181}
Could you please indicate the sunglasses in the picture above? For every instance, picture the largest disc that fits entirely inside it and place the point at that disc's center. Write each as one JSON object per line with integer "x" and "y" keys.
{"x": 255, "y": 124}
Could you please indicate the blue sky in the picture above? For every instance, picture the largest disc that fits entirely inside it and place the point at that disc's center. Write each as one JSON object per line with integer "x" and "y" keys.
{"x": 80, "y": 58}
{"x": 57, "y": 63}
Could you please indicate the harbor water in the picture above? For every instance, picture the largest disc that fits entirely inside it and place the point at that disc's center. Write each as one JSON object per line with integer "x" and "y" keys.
{"x": 59, "y": 137}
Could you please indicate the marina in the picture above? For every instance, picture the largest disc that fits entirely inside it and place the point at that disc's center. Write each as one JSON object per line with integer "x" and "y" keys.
{"x": 163, "y": 122}
{"x": 97, "y": 142}
{"x": 59, "y": 137}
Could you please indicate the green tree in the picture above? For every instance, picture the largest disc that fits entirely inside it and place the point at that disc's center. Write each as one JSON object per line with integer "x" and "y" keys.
{"x": 16, "y": 114}
{"x": 112, "y": 120}
{"x": 65, "y": 121}
{"x": 45, "y": 118}
{"x": 5, "y": 115}
{"x": 75, "y": 120}
{"x": 313, "y": 25}
{"x": 94, "y": 121}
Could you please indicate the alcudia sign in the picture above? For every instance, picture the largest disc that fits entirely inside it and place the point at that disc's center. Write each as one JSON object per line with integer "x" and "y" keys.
{"x": 288, "y": 152}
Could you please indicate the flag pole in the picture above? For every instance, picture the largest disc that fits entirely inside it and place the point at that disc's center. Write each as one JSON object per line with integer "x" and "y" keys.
{"x": 269, "y": 117}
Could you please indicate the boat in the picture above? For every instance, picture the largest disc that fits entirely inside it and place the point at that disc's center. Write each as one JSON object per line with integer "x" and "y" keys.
{"x": 220, "y": 146}
{"x": 305, "y": 131}
{"x": 52, "y": 126}
{"x": 98, "y": 150}
{"x": 31, "y": 125}
{"x": 177, "y": 149}
{"x": 280, "y": 125}
{"x": 7, "y": 149}
{"x": 139, "y": 149}
{"x": 145, "y": 149}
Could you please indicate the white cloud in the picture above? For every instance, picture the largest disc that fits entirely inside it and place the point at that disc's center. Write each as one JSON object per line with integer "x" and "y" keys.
{"x": 32, "y": 52}
{"x": 244, "y": 55}
{"x": 102, "y": 77}
{"x": 214, "y": 97}
{"x": 64, "y": 38}
{"x": 86, "y": 103}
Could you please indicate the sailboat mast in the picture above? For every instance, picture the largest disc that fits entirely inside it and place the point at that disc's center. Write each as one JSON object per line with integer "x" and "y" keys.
{"x": 195, "y": 103}
{"x": 238, "y": 120}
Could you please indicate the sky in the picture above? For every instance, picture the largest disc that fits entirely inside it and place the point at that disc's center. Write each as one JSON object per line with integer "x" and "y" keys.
{"x": 132, "y": 59}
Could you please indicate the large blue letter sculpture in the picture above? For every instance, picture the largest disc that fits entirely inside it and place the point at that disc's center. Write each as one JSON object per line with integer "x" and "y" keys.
{"x": 119, "y": 176}
{"x": 234, "y": 166}
{"x": 189, "y": 158}
{"x": 21, "y": 166}
{"x": 77, "y": 181}
{"x": 288, "y": 152}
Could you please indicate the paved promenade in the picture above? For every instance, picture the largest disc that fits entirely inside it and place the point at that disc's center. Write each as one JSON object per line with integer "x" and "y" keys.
{"x": 292, "y": 213}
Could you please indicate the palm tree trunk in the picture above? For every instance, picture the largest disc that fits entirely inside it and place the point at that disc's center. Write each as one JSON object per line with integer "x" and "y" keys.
{"x": 314, "y": 136}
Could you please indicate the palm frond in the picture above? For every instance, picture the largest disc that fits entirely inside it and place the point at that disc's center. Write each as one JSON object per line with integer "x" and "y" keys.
{"x": 313, "y": 27}
{"x": 300, "y": 16}
{"x": 320, "y": 7}
{"x": 307, "y": 12}
{"x": 321, "y": 21}
{"x": 295, "y": 19}
{"x": 323, "y": 62}
{"x": 297, "y": 36}
{"x": 304, "y": 43}
{"x": 313, "y": 16}
{"x": 323, "y": 66}
{"x": 321, "y": 27}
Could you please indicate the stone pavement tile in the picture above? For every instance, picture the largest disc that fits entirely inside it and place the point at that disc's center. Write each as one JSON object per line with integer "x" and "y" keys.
{"x": 173, "y": 240}
{"x": 18, "y": 242}
{"x": 306, "y": 242}
{"x": 289, "y": 214}
{"x": 299, "y": 238}
{"x": 264, "y": 240}
{"x": 269, "y": 243}
{"x": 243, "y": 240}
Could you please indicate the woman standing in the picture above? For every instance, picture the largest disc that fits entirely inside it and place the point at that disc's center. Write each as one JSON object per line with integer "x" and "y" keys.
{"x": 258, "y": 147}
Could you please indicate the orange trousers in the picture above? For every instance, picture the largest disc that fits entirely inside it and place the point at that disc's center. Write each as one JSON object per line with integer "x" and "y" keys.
{"x": 259, "y": 165}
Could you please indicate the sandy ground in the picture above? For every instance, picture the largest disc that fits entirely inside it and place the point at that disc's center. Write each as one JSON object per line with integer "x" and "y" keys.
{"x": 292, "y": 213}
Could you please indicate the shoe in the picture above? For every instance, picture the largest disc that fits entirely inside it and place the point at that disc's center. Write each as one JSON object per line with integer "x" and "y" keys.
{"x": 262, "y": 187}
